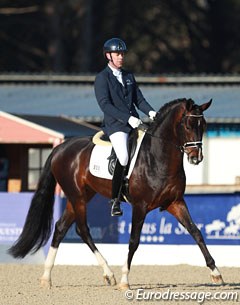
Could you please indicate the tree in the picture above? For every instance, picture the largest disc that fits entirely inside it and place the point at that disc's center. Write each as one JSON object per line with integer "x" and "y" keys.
{"x": 163, "y": 36}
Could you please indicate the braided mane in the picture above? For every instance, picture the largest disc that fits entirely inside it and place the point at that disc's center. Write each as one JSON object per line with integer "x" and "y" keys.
{"x": 166, "y": 108}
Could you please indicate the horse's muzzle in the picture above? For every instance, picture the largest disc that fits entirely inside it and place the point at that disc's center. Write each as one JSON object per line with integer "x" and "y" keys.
{"x": 194, "y": 152}
{"x": 195, "y": 160}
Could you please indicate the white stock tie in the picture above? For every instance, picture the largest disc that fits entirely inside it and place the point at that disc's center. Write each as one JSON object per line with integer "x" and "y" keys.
{"x": 118, "y": 75}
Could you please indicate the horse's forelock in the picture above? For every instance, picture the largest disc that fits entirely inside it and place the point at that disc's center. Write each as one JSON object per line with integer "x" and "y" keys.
{"x": 197, "y": 109}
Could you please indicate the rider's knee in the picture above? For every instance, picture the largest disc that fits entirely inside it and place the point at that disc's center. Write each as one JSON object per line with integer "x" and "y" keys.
{"x": 123, "y": 160}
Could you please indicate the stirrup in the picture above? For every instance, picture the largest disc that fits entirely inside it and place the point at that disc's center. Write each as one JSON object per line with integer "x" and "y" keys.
{"x": 116, "y": 210}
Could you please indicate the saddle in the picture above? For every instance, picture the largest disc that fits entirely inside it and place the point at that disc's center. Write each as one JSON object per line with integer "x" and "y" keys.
{"x": 102, "y": 140}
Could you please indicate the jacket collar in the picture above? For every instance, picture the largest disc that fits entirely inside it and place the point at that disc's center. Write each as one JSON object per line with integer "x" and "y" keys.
{"x": 113, "y": 78}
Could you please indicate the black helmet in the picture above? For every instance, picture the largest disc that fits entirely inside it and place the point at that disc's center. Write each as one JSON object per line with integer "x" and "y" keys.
{"x": 114, "y": 45}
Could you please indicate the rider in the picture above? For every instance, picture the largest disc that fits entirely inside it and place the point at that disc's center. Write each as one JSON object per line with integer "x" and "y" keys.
{"x": 117, "y": 94}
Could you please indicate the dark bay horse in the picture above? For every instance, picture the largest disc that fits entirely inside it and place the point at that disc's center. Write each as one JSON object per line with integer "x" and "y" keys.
{"x": 157, "y": 181}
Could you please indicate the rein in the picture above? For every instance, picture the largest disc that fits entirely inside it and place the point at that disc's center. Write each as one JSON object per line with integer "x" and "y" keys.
{"x": 182, "y": 148}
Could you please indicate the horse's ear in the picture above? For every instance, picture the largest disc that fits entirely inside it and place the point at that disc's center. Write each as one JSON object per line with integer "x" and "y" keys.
{"x": 206, "y": 105}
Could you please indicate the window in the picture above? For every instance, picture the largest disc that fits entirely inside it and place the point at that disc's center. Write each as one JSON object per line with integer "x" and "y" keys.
{"x": 36, "y": 160}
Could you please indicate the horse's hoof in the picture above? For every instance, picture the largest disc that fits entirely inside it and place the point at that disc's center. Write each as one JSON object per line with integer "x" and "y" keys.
{"x": 45, "y": 283}
{"x": 123, "y": 286}
{"x": 217, "y": 279}
{"x": 110, "y": 280}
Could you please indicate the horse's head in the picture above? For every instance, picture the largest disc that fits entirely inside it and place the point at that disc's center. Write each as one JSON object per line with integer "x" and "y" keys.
{"x": 193, "y": 125}
{"x": 181, "y": 122}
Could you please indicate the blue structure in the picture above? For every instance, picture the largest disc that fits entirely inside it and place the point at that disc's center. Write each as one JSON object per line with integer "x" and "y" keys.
{"x": 78, "y": 100}
{"x": 216, "y": 215}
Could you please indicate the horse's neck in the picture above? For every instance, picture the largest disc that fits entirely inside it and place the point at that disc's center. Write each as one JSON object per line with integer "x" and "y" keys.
{"x": 163, "y": 146}
{"x": 165, "y": 129}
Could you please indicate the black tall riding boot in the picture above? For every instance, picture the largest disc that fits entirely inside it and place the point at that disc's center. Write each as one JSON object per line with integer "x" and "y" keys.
{"x": 117, "y": 182}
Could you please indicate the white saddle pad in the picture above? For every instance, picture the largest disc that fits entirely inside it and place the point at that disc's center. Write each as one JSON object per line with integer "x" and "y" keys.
{"x": 98, "y": 165}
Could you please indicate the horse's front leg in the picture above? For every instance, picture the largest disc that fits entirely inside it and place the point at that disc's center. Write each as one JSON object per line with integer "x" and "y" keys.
{"x": 180, "y": 211}
{"x": 138, "y": 217}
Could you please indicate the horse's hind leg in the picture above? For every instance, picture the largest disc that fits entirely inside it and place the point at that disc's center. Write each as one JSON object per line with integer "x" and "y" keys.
{"x": 61, "y": 228}
{"x": 83, "y": 231}
{"x": 180, "y": 211}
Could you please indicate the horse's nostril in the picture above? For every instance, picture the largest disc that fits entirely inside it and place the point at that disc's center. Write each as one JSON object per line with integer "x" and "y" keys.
{"x": 193, "y": 160}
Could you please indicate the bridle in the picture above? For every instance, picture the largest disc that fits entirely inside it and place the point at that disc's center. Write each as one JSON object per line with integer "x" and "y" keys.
{"x": 194, "y": 144}
{"x": 182, "y": 148}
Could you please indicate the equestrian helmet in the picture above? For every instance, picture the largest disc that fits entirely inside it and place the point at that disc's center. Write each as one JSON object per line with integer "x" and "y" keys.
{"x": 114, "y": 45}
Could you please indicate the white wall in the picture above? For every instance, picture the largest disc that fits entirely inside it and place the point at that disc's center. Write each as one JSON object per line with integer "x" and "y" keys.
{"x": 223, "y": 160}
{"x": 221, "y": 163}
{"x": 116, "y": 254}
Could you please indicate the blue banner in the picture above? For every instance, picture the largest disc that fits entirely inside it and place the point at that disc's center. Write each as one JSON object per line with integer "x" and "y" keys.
{"x": 216, "y": 215}
{"x": 14, "y": 208}
{"x": 13, "y": 212}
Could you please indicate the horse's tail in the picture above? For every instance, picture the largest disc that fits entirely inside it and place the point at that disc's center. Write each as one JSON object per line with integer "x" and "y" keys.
{"x": 38, "y": 225}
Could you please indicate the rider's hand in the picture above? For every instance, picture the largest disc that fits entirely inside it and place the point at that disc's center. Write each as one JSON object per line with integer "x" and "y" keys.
{"x": 134, "y": 122}
{"x": 152, "y": 114}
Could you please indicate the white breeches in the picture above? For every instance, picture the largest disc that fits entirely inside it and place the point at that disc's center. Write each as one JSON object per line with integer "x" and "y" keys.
{"x": 119, "y": 142}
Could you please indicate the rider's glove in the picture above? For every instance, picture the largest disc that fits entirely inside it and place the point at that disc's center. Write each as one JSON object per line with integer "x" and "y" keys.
{"x": 134, "y": 122}
{"x": 152, "y": 114}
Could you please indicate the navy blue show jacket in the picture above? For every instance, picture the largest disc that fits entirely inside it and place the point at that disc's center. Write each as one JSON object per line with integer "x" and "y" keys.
{"x": 118, "y": 102}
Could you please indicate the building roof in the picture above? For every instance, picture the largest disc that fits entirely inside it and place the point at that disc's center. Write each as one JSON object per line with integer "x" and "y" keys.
{"x": 40, "y": 129}
{"x": 78, "y": 100}
{"x": 62, "y": 125}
